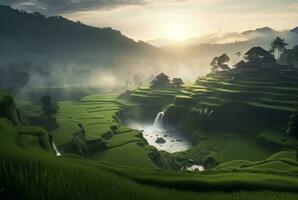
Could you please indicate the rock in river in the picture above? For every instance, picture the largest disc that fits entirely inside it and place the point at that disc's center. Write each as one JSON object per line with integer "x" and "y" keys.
{"x": 160, "y": 140}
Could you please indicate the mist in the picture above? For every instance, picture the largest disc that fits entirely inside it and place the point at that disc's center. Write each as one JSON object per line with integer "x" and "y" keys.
{"x": 64, "y": 53}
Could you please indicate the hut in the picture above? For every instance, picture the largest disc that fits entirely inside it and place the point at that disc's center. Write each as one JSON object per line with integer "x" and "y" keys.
{"x": 160, "y": 80}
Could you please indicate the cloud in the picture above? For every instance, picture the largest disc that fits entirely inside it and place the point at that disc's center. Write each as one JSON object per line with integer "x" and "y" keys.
{"x": 65, "y": 6}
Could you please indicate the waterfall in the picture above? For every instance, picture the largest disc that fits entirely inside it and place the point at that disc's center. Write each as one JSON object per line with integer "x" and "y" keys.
{"x": 56, "y": 149}
{"x": 158, "y": 122}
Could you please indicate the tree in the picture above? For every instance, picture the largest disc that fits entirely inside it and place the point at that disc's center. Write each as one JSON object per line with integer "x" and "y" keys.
{"x": 82, "y": 129}
{"x": 220, "y": 63}
{"x": 49, "y": 108}
{"x": 214, "y": 64}
{"x": 224, "y": 58}
{"x": 290, "y": 56}
{"x": 294, "y": 55}
{"x": 177, "y": 82}
{"x": 279, "y": 45}
{"x": 293, "y": 127}
{"x": 204, "y": 117}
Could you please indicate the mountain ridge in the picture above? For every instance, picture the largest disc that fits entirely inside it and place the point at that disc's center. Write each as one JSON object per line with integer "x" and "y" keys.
{"x": 222, "y": 37}
{"x": 55, "y": 46}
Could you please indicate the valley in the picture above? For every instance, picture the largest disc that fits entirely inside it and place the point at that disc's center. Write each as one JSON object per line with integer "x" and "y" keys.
{"x": 208, "y": 110}
{"x": 243, "y": 147}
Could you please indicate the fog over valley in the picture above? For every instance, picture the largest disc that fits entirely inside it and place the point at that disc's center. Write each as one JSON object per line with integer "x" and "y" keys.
{"x": 148, "y": 99}
{"x": 54, "y": 51}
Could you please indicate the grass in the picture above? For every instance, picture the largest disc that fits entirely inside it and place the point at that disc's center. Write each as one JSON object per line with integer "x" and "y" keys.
{"x": 267, "y": 106}
{"x": 281, "y": 162}
{"x": 275, "y": 165}
{"x": 30, "y": 171}
{"x": 283, "y": 154}
{"x": 243, "y": 149}
{"x": 233, "y": 164}
{"x": 124, "y": 138}
{"x": 130, "y": 154}
{"x": 214, "y": 180}
{"x": 247, "y": 169}
{"x": 97, "y": 117}
{"x": 33, "y": 174}
{"x": 28, "y": 108}
{"x": 122, "y": 129}
{"x": 250, "y": 96}
{"x": 183, "y": 100}
{"x": 96, "y": 181}
{"x": 276, "y": 139}
{"x": 98, "y": 113}
{"x": 64, "y": 134}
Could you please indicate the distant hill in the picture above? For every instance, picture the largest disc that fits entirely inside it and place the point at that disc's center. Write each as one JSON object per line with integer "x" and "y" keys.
{"x": 260, "y": 34}
{"x": 264, "y": 30}
{"x": 55, "y": 46}
{"x": 295, "y": 30}
{"x": 57, "y": 32}
{"x": 54, "y": 51}
{"x": 206, "y": 47}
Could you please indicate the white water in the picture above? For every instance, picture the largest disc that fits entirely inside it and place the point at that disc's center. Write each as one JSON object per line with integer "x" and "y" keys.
{"x": 56, "y": 149}
{"x": 175, "y": 142}
{"x": 199, "y": 168}
{"x": 158, "y": 122}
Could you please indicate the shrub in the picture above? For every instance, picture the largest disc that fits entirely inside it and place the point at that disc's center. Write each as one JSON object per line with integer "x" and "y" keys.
{"x": 204, "y": 117}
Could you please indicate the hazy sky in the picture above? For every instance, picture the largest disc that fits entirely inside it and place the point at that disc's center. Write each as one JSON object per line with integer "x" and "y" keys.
{"x": 171, "y": 19}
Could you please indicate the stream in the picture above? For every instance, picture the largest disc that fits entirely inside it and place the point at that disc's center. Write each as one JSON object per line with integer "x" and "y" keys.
{"x": 56, "y": 149}
{"x": 173, "y": 142}
{"x": 157, "y": 135}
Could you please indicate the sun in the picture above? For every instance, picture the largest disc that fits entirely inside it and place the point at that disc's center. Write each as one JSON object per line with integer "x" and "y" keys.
{"x": 176, "y": 32}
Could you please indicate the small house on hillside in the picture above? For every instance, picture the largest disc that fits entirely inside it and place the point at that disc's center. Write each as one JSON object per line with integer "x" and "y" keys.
{"x": 255, "y": 59}
{"x": 160, "y": 80}
{"x": 258, "y": 55}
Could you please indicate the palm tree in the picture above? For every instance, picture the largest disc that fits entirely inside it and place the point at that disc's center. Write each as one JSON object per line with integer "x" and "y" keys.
{"x": 204, "y": 117}
{"x": 279, "y": 45}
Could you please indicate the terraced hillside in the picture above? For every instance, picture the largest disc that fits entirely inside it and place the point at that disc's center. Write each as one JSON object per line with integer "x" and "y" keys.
{"x": 144, "y": 103}
{"x": 275, "y": 93}
{"x": 105, "y": 139}
{"x": 250, "y": 112}
{"x": 66, "y": 93}
{"x": 124, "y": 170}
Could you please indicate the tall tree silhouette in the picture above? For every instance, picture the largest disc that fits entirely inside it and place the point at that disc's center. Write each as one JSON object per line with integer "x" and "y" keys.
{"x": 220, "y": 63}
{"x": 279, "y": 45}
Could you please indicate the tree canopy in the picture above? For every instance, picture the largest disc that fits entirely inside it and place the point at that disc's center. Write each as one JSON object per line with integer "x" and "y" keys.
{"x": 220, "y": 63}
{"x": 177, "y": 82}
{"x": 49, "y": 108}
{"x": 290, "y": 56}
{"x": 279, "y": 45}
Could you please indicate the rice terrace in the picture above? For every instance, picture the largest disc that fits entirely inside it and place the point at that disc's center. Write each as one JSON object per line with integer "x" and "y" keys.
{"x": 89, "y": 113}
